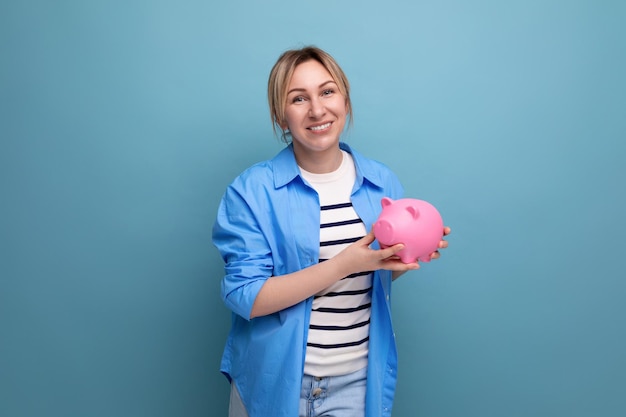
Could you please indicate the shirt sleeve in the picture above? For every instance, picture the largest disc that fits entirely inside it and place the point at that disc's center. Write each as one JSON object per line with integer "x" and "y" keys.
{"x": 245, "y": 251}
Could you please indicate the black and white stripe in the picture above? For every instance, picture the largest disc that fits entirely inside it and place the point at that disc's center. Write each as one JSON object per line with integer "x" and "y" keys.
{"x": 339, "y": 327}
{"x": 338, "y": 337}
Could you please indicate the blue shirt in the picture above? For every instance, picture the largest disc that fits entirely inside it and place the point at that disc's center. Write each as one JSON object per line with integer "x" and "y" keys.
{"x": 268, "y": 225}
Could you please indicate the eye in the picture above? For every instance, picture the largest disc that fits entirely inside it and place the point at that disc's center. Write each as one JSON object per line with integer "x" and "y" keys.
{"x": 297, "y": 99}
{"x": 328, "y": 92}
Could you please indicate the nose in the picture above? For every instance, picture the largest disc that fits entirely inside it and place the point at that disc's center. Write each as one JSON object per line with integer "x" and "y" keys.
{"x": 316, "y": 109}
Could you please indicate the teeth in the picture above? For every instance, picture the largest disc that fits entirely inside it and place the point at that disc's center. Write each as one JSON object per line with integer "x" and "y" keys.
{"x": 324, "y": 126}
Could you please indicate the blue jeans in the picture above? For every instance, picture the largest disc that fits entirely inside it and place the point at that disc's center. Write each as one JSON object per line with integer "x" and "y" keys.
{"x": 335, "y": 396}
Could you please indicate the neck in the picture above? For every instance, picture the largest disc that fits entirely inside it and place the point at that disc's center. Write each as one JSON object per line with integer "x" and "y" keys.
{"x": 319, "y": 162}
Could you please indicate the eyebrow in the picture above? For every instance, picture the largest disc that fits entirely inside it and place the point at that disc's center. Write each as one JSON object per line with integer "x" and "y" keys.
{"x": 304, "y": 89}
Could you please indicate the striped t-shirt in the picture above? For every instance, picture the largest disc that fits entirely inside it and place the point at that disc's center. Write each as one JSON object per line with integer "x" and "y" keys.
{"x": 338, "y": 336}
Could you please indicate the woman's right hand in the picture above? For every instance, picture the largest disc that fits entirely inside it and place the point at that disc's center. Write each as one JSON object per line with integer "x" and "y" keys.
{"x": 360, "y": 257}
{"x": 280, "y": 292}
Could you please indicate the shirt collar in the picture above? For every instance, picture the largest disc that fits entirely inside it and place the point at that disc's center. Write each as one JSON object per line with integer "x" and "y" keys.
{"x": 286, "y": 168}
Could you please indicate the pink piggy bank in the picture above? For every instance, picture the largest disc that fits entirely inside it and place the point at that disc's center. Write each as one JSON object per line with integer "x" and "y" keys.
{"x": 415, "y": 223}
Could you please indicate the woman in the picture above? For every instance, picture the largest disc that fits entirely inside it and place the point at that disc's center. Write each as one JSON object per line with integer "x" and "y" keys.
{"x": 311, "y": 332}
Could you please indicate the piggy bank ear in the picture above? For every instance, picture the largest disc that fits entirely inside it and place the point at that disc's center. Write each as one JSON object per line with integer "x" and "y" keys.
{"x": 415, "y": 213}
{"x": 386, "y": 201}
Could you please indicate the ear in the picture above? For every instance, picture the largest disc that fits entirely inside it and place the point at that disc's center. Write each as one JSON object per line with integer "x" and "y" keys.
{"x": 386, "y": 201}
{"x": 280, "y": 121}
{"x": 415, "y": 213}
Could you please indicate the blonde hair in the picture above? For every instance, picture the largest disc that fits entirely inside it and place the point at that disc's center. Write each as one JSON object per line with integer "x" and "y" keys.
{"x": 280, "y": 76}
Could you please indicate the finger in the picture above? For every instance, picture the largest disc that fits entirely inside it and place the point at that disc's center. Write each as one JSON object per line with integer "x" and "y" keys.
{"x": 435, "y": 255}
{"x": 369, "y": 238}
{"x": 390, "y": 251}
{"x": 443, "y": 244}
{"x": 398, "y": 265}
{"x": 446, "y": 231}
{"x": 409, "y": 267}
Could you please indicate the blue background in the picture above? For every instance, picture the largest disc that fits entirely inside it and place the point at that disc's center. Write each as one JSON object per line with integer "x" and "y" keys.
{"x": 122, "y": 122}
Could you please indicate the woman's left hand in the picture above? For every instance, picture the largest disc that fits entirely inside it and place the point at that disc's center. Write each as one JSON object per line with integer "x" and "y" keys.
{"x": 442, "y": 244}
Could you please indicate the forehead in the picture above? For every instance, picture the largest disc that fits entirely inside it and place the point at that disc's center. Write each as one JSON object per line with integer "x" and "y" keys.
{"x": 309, "y": 74}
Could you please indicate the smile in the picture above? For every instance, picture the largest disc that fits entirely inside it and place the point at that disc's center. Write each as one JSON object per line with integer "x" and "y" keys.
{"x": 320, "y": 127}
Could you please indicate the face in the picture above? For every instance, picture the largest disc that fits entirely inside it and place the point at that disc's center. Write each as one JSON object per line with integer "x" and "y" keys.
{"x": 315, "y": 112}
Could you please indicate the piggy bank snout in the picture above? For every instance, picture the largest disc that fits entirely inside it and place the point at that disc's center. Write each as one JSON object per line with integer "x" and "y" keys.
{"x": 383, "y": 230}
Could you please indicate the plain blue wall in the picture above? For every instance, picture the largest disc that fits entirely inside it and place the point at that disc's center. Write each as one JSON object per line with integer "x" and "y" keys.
{"x": 122, "y": 122}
